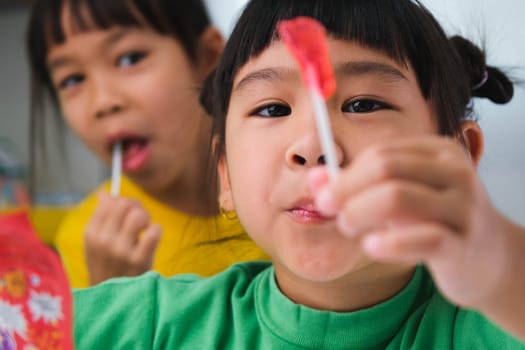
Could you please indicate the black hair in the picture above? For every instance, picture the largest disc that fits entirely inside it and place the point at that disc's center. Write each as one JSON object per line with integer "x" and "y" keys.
{"x": 185, "y": 20}
{"x": 404, "y": 30}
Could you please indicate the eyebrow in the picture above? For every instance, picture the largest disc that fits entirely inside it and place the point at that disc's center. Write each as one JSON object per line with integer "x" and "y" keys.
{"x": 267, "y": 74}
{"x": 111, "y": 39}
{"x": 356, "y": 68}
{"x": 347, "y": 69}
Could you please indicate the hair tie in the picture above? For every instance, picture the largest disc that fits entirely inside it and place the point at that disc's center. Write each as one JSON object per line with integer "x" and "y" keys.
{"x": 483, "y": 80}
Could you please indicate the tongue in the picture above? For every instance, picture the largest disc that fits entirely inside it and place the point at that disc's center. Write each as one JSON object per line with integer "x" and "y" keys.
{"x": 135, "y": 155}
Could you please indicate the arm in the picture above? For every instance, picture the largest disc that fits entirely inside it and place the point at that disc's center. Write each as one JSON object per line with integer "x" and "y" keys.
{"x": 119, "y": 314}
{"x": 507, "y": 306}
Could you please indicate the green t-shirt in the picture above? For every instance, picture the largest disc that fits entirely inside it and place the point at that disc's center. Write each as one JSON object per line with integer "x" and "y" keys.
{"x": 243, "y": 308}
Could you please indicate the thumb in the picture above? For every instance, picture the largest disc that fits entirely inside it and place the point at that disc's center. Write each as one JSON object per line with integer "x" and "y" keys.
{"x": 321, "y": 188}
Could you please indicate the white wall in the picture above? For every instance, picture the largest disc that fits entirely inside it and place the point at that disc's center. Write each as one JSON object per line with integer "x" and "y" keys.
{"x": 500, "y": 25}
{"x": 80, "y": 171}
{"x": 224, "y": 13}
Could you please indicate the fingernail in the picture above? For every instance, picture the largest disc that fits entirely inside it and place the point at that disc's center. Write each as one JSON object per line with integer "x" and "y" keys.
{"x": 325, "y": 201}
{"x": 317, "y": 179}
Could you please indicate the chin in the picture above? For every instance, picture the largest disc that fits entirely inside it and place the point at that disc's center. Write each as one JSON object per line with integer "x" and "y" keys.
{"x": 324, "y": 269}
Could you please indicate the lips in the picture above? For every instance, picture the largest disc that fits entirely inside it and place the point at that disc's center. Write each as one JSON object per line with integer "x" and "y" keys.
{"x": 304, "y": 212}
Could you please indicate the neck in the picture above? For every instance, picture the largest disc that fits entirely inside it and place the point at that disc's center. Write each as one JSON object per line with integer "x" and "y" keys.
{"x": 190, "y": 192}
{"x": 192, "y": 197}
{"x": 359, "y": 290}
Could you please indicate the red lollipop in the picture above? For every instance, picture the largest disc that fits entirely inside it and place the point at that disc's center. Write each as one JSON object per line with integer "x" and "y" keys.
{"x": 306, "y": 40}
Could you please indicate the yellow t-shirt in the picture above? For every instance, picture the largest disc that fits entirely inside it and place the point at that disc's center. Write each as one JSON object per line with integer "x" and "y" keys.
{"x": 188, "y": 244}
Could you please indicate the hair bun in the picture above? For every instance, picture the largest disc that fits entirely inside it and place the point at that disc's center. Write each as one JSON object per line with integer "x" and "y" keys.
{"x": 485, "y": 81}
{"x": 498, "y": 87}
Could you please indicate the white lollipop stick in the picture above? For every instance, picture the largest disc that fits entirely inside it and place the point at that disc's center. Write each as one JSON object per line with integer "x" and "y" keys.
{"x": 324, "y": 130}
{"x": 306, "y": 39}
{"x": 116, "y": 169}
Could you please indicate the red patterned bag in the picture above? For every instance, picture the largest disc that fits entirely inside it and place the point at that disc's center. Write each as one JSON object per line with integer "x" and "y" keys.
{"x": 35, "y": 297}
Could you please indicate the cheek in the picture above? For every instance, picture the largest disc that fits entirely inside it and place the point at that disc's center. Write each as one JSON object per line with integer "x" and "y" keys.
{"x": 172, "y": 105}
{"x": 77, "y": 121}
{"x": 424, "y": 119}
{"x": 251, "y": 170}
{"x": 170, "y": 86}
{"x": 246, "y": 174}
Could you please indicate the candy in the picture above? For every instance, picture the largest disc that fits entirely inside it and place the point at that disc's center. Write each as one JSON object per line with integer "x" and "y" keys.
{"x": 306, "y": 40}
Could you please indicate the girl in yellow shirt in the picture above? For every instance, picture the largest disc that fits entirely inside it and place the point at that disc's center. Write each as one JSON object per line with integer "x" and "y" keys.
{"x": 129, "y": 72}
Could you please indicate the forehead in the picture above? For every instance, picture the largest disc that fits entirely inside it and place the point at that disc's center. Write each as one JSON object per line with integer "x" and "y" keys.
{"x": 343, "y": 54}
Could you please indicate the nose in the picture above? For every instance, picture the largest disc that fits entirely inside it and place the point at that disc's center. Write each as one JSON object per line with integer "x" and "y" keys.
{"x": 306, "y": 152}
{"x": 106, "y": 97}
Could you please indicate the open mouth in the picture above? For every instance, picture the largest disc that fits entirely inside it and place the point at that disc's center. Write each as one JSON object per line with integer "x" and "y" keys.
{"x": 135, "y": 151}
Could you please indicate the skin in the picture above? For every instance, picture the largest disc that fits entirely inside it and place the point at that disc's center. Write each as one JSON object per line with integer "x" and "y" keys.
{"x": 403, "y": 195}
{"x": 133, "y": 82}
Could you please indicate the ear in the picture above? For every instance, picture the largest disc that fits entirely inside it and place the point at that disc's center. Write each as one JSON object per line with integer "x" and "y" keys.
{"x": 473, "y": 139}
{"x": 211, "y": 45}
{"x": 225, "y": 193}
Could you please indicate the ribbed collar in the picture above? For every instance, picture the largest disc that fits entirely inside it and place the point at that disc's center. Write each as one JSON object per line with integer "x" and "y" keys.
{"x": 364, "y": 329}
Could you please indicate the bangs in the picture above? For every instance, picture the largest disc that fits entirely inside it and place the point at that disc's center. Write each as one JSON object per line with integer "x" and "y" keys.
{"x": 184, "y": 20}
{"x": 97, "y": 15}
{"x": 404, "y": 31}
{"x": 368, "y": 23}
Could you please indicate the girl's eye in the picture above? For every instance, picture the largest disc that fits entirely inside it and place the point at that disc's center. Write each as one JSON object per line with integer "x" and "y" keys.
{"x": 70, "y": 81}
{"x": 272, "y": 111}
{"x": 130, "y": 58}
{"x": 363, "y": 106}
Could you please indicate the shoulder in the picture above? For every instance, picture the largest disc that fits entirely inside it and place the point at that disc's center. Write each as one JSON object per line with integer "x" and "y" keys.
{"x": 475, "y": 331}
{"x": 117, "y": 312}
{"x": 151, "y": 287}
{"x": 434, "y": 322}
{"x": 237, "y": 278}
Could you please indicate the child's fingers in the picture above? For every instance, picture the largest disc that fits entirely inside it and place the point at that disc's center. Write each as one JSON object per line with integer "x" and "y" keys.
{"x": 425, "y": 145}
{"x": 411, "y": 244}
{"x": 318, "y": 178}
{"x": 119, "y": 209}
{"x": 136, "y": 220}
{"x": 399, "y": 201}
{"x": 145, "y": 249}
{"x": 372, "y": 168}
{"x": 100, "y": 214}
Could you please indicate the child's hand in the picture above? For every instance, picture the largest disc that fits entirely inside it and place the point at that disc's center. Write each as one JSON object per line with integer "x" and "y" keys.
{"x": 119, "y": 240}
{"x": 421, "y": 200}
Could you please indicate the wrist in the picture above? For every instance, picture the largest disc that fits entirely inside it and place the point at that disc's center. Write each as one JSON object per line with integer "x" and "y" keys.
{"x": 505, "y": 305}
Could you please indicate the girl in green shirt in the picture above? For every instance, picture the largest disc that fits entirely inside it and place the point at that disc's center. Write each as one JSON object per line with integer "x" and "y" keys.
{"x": 402, "y": 249}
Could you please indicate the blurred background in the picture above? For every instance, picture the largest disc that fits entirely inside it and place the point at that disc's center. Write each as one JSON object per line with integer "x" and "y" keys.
{"x": 70, "y": 171}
